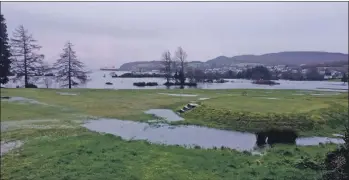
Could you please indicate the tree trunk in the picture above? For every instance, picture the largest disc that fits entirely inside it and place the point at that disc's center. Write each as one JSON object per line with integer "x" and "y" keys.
{"x": 25, "y": 69}
{"x": 69, "y": 70}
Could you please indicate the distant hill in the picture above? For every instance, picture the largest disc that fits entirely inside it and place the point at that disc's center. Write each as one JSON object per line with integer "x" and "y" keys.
{"x": 137, "y": 65}
{"x": 280, "y": 58}
{"x": 285, "y": 58}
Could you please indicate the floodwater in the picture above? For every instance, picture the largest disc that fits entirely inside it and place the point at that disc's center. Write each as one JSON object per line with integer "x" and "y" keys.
{"x": 188, "y": 136}
{"x": 306, "y": 141}
{"x": 202, "y": 99}
{"x": 183, "y": 95}
{"x": 8, "y": 146}
{"x": 67, "y": 94}
{"x": 98, "y": 82}
{"x": 23, "y": 100}
{"x": 167, "y": 114}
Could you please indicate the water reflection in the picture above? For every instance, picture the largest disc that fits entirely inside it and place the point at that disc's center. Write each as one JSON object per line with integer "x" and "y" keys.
{"x": 186, "y": 135}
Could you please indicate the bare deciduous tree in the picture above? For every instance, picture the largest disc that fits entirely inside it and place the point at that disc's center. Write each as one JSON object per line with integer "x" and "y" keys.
{"x": 167, "y": 64}
{"x": 46, "y": 71}
{"x": 175, "y": 69}
{"x": 181, "y": 56}
{"x": 69, "y": 69}
{"x": 26, "y": 59}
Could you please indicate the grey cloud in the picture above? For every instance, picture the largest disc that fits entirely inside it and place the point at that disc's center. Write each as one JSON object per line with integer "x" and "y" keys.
{"x": 116, "y": 32}
{"x": 52, "y": 24}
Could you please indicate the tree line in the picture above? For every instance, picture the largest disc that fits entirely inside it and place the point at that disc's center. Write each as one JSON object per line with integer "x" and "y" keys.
{"x": 256, "y": 73}
{"x": 21, "y": 57}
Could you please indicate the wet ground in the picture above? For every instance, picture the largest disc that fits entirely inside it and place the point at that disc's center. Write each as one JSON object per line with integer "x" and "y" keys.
{"x": 67, "y": 94}
{"x": 22, "y": 100}
{"x": 272, "y": 98}
{"x": 8, "y": 146}
{"x": 202, "y": 99}
{"x": 183, "y": 95}
{"x": 166, "y": 114}
{"x": 33, "y": 124}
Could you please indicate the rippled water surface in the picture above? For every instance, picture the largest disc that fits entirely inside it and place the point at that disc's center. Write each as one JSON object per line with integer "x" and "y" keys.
{"x": 186, "y": 135}
{"x": 98, "y": 82}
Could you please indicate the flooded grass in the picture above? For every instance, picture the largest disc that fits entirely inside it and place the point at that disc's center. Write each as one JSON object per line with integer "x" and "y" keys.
{"x": 17, "y": 111}
{"x": 67, "y": 94}
{"x": 8, "y": 146}
{"x": 166, "y": 114}
{"x": 62, "y": 154}
{"x": 67, "y": 151}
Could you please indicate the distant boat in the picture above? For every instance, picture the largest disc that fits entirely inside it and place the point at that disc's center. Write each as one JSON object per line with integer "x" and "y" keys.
{"x": 109, "y": 69}
{"x": 109, "y": 83}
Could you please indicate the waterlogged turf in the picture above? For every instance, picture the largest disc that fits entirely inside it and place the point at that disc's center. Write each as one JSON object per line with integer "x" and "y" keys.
{"x": 59, "y": 148}
{"x": 78, "y": 154}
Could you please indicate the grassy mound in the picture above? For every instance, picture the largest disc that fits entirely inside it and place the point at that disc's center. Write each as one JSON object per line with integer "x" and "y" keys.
{"x": 314, "y": 122}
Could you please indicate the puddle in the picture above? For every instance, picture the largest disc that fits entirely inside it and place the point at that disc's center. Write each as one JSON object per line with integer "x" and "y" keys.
{"x": 23, "y": 100}
{"x": 8, "y": 146}
{"x": 308, "y": 141}
{"x": 188, "y": 136}
{"x": 67, "y": 94}
{"x": 272, "y": 98}
{"x": 184, "y": 95}
{"x": 202, "y": 99}
{"x": 166, "y": 114}
{"x": 298, "y": 94}
{"x": 327, "y": 94}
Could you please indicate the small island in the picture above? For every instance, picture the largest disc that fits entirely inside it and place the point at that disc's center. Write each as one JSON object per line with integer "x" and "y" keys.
{"x": 142, "y": 84}
{"x": 265, "y": 82}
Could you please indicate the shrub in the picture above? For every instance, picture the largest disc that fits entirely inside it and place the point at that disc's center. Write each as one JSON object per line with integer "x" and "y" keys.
{"x": 266, "y": 82}
{"x": 31, "y": 86}
{"x": 142, "y": 84}
{"x": 179, "y": 84}
{"x": 337, "y": 161}
{"x": 151, "y": 84}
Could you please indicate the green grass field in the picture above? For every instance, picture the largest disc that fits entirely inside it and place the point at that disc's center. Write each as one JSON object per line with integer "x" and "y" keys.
{"x": 61, "y": 149}
{"x": 226, "y": 109}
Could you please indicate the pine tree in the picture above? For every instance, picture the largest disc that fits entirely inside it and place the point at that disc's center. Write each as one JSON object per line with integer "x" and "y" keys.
{"x": 27, "y": 61}
{"x": 69, "y": 69}
{"x": 5, "y": 61}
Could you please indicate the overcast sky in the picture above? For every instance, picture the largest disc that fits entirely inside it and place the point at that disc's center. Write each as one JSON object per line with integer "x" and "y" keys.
{"x": 112, "y": 33}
